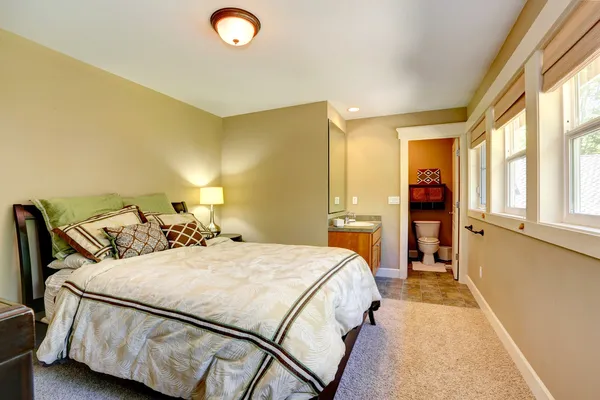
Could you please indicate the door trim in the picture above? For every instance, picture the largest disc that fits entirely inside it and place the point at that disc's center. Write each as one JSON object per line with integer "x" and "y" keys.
{"x": 441, "y": 131}
{"x": 455, "y": 209}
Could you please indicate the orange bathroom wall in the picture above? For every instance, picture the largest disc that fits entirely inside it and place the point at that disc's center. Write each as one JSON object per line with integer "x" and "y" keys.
{"x": 435, "y": 153}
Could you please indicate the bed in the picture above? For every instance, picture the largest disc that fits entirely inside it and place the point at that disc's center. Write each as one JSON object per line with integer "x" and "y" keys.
{"x": 230, "y": 320}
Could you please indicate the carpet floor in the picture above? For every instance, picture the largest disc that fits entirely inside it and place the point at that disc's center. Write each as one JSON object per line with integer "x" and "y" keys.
{"x": 417, "y": 351}
{"x": 421, "y": 351}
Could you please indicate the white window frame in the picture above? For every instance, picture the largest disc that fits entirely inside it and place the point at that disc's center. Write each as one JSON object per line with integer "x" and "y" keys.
{"x": 570, "y": 116}
{"x": 513, "y": 211}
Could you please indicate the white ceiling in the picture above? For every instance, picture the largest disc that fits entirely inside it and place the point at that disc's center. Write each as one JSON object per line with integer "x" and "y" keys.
{"x": 384, "y": 56}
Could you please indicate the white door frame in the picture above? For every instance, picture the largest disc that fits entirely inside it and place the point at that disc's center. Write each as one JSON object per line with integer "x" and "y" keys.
{"x": 442, "y": 131}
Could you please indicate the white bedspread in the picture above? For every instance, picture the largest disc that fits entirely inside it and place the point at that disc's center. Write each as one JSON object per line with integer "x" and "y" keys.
{"x": 53, "y": 285}
{"x": 228, "y": 321}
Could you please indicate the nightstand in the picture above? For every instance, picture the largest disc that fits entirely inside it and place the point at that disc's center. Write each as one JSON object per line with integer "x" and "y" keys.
{"x": 16, "y": 350}
{"x": 236, "y": 237}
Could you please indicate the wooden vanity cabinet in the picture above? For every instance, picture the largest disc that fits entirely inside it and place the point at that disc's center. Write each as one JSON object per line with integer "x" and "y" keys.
{"x": 366, "y": 244}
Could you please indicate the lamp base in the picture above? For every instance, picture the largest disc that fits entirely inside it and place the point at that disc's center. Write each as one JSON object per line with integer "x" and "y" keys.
{"x": 214, "y": 229}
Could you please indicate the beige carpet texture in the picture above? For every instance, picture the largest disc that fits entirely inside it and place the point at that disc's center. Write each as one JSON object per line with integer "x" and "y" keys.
{"x": 417, "y": 351}
{"x": 421, "y": 351}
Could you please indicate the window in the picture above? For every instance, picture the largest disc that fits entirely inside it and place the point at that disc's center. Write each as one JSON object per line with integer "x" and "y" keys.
{"x": 581, "y": 100}
{"x": 478, "y": 167}
{"x": 482, "y": 176}
{"x": 479, "y": 156}
{"x": 515, "y": 137}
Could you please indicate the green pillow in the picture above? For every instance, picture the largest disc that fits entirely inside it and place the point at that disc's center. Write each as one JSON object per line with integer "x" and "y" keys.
{"x": 68, "y": 210}
{"x": 157, "y": 202}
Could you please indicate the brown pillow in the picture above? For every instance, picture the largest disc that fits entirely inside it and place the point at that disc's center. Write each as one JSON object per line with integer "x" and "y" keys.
{"x": 181, "y": 218}
{"x": 183, "y": 235}
{"x": 136, "y": 240}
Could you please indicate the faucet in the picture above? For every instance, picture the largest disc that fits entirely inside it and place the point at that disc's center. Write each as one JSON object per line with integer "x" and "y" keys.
{"x": 350, "y": 217}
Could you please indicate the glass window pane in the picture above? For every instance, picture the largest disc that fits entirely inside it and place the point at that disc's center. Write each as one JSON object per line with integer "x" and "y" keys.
{"x": 586, "y": 174}
{"x": 588, "y": 80}
{"x": 519, "y": 137}
{"x": 517, "y": 183}
{"x": 482, "y": 175}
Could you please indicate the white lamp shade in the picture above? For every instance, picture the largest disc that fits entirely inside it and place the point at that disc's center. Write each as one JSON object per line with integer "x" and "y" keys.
{"x": 211, "y": 195}
{"x": 235, "y": 31}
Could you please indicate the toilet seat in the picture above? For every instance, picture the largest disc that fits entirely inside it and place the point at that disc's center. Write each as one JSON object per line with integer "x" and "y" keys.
{"x": 428, "y": 240}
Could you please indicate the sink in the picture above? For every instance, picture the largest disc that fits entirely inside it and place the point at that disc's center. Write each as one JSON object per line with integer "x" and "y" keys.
{"x": 359, "y": 224}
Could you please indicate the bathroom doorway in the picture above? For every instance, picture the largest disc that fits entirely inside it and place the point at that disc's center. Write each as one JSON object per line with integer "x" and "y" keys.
{"x": 446, "y": 158}
{"x": 431, "y": 166}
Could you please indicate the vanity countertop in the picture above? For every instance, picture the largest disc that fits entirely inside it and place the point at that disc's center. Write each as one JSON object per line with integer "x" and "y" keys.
{"x": 364, "y": 229}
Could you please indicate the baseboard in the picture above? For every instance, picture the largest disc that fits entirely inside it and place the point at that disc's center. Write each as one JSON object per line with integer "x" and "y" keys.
{"x": 413, "y": 254}
{"x": 388, "y": 273}
{"x": 540, "y": 391}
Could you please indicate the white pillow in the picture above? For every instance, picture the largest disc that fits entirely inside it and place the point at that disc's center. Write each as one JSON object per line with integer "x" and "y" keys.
{"x": 72, "y": 261}
{"x": 88, "y": 236}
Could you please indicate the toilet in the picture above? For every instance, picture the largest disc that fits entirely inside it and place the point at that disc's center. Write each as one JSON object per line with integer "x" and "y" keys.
{"x": 427, "y": 239}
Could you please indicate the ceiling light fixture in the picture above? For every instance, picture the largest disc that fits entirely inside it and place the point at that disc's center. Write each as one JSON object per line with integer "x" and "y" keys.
{"x": 353, "y": 109}
{"x": 236, "y": 27}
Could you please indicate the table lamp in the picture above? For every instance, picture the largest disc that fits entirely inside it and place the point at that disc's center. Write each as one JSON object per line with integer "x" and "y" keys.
{"x": 211, "y": 196}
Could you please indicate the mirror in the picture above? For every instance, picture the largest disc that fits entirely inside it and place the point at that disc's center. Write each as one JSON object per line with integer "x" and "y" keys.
{"x": 337, "y": 169}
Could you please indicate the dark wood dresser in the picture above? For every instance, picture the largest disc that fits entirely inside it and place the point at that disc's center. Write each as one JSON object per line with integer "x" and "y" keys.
{"x": 17, "y": 342}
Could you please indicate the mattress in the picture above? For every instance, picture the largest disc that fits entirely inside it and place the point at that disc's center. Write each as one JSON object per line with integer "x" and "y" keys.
{"x": 226, "y": 321}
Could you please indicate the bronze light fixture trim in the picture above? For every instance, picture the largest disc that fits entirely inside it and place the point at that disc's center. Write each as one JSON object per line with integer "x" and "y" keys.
{"x": 236, "y": 27}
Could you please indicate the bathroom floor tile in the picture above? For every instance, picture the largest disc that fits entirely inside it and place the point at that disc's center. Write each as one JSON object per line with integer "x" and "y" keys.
{"x": 471, "y": 304}
{"x": 432, "y": 301}
{"x": 412, "y": 291}
{"x": 396, "y": 283}
{"x": 432, "y": 296}
{"x": 428, "y": 276}
{"x": 427, "y": 287}
{"x": 446, "y": 277}
{"x": 431, "y": 291}
{"x": 453, "y": 295}
{"x": 454, "y": 302}
{"x": 411, "y": 297}
{"x": 467, "y": 295}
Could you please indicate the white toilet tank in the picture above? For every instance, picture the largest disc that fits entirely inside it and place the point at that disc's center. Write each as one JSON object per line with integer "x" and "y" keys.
{"x": 428, "y": 228}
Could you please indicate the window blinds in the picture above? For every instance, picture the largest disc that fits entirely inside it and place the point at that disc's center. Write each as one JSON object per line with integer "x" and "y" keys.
{"x": 511, "y": 103}
{"x": 478, "y": 134}
{"x": 575, "y": 44}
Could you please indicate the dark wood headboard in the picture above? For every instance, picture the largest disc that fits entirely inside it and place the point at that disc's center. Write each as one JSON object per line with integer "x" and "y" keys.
{"x": 24, "y": 213}
{"x": 28, "y": 212}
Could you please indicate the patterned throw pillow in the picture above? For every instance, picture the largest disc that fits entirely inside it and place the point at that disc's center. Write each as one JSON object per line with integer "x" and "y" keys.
{"x": 136, "y": 240}
{"x": 88, "y": 237}
{"x": 183, "y": 235}
{"x": 176, "y": 219}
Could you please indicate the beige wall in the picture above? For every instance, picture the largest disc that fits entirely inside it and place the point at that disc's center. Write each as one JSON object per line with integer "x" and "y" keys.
{"x": 526, "y": 18}
{"x": 338, "y": 150}
{"x": 374, "y": 169}
{"x": 274, "y": 166}
{"x": 335, "y": 117}
{"x": 547, "y": 298}
{"x": 70, "y": 129}
{"x": 436, "y": 153}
